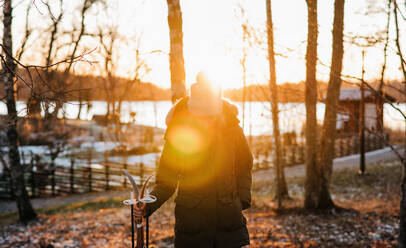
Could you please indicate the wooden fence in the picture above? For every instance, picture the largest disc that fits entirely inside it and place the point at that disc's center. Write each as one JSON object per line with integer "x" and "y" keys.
{"x": 82, "y": 177}
{"x": 295, "y": 154}
{"x": 77, "y": 178}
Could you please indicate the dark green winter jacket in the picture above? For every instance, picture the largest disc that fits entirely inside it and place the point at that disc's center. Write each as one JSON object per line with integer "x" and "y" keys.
{"x": 208, "y": 162}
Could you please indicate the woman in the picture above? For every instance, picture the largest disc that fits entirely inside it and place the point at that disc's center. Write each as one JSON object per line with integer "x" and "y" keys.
{"x": 207, "y": 160}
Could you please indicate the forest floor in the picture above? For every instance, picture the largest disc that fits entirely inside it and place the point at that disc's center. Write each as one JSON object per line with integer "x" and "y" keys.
{"x": 369, "y": 217}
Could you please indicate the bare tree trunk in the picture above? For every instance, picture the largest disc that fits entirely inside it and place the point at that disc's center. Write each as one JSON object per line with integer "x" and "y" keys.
{"x": 330, "y": 116}
{"x": 402, "y": 221}
{"x": 86, "y": 5}
{"x": 312, "y": 170}
{"x": 63, "y": 80}
{"x": 379, "y": 101}
{"x": 362, "y": 119}
{"x": 50, "y": 75}
{"x": 281, "y": 187}
{"x": 244, "y": 89}
{"x": 176, "y": 60}
{"x": 25, "y": 210}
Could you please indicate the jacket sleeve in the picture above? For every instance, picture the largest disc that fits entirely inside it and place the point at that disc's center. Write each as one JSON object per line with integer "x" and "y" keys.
{"x": 244, "y": 161}
{"x": 166, "y": 180}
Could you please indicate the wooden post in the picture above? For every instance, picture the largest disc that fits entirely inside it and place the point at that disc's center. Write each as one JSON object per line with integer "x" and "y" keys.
{"x": 125, "y": 178}
{"x": 141, "y": 173}
{"x": 10, "y": 184}
{"x": 89, "y": 178}
{"x": 89, "y": 169}
{"x": 53, "y": 177}
{"x": 32, "y": 180}
{"x": 71, "y": 175}
{"x": 23, "y": 158}
{"x": 107, "y": 171}
{"x": 107, "y": 176}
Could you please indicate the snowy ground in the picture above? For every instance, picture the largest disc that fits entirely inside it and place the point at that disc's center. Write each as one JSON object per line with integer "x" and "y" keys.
{"x": 98, "y": 148}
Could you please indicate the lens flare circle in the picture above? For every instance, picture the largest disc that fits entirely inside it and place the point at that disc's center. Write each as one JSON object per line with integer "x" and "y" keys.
{"x": 187, "y": 140}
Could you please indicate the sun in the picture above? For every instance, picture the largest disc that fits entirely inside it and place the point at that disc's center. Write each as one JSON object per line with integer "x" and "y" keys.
{"x": 220, "y": 73}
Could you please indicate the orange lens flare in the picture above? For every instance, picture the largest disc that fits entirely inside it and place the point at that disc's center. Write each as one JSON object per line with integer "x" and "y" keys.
{"x": 187, "y": 140}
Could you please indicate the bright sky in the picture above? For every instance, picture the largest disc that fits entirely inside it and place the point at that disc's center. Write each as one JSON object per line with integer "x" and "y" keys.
{"x": 213, "y": 38}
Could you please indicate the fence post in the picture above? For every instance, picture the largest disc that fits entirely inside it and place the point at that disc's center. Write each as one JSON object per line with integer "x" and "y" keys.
{"x": 53, "y": 177}
{"x": 23, "y": 158}
{"x": 89, "y": 178}
{"x": 71, "y": 174}
{"x": 9, "y": 184}
{"x": 141, "y": 173}
{"x": 107, "y": 176}
{"x": 32, "y": 180}
{"x": 125, "y": 178}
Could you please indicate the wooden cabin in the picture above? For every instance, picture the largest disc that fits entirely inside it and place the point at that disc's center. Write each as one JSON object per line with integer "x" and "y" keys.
{"x": 348, "y": 119}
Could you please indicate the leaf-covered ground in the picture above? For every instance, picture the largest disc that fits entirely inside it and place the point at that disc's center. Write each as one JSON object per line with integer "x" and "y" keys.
{"x": 369, "y": 218}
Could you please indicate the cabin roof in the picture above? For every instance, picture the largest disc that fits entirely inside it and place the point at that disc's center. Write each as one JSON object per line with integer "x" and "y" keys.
{"x": 354, "y": 94}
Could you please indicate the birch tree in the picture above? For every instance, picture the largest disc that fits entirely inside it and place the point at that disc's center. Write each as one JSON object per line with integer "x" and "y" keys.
{"x": 25, "y": 209}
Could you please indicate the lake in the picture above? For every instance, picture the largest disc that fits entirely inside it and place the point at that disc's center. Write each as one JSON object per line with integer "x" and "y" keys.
{"x": 257, "y": 114}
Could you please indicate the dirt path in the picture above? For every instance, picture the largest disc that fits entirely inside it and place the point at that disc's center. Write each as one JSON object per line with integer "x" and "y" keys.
{"x": 10, "y": 206}
{"x": 297, "y": 171}
{"x": 348, "y": 162}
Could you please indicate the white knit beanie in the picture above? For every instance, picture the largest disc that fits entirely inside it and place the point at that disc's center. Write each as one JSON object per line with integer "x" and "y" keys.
{"x": 205, "y": 99}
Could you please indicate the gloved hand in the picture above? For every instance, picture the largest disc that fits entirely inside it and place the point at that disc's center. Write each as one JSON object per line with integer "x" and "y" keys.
{"x": 139, "y": 211}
